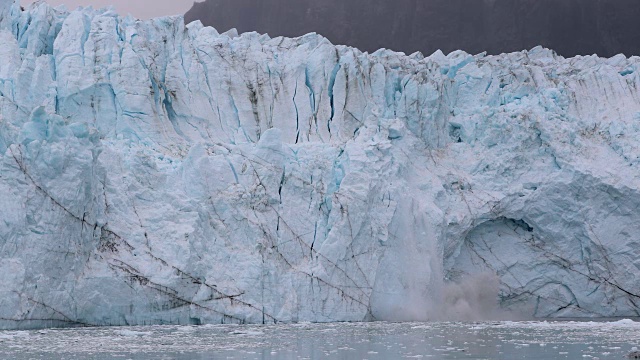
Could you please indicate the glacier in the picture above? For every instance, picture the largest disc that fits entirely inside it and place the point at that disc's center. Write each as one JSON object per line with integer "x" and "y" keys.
{"x": 157, "y": 172}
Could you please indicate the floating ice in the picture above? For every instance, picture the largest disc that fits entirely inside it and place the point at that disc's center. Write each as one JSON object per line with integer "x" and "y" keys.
{"x": 131, "y": 333}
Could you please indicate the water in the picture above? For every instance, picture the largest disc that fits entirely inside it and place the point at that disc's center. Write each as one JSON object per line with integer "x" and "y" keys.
{"x": 489, "y": 340}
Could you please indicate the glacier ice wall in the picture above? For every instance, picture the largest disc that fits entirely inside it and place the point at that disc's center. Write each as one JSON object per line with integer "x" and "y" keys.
{"x": 153, "y": 173}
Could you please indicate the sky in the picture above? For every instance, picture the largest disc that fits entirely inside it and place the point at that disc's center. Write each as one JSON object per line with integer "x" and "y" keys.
{"x": 143, "y": 9}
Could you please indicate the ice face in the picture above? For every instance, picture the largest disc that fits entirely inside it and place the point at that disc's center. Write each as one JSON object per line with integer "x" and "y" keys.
{"x": 153, "y": 172}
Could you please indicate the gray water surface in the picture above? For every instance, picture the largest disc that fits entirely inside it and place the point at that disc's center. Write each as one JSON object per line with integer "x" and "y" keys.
{"x": 380, "y": 340}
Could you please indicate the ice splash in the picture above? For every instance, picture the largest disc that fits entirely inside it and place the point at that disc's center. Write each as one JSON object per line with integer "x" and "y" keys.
{"x": 474, "y": 298}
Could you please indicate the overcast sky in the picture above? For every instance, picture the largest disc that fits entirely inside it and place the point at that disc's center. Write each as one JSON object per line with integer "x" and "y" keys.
{"x": 143, "y": 9}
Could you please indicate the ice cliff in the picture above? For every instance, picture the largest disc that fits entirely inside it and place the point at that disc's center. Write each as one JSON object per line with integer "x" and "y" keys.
{"x": 152, "y": 172}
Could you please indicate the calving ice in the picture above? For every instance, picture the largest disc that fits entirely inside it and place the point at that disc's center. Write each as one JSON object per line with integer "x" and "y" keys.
{"x": 158, "y": 172}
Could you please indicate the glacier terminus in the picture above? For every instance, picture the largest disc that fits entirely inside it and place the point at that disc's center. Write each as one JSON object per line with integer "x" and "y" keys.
{"x": 157, "y": 172}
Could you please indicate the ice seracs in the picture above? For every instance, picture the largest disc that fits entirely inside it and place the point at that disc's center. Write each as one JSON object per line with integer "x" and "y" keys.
{"x": 153, "y": 172}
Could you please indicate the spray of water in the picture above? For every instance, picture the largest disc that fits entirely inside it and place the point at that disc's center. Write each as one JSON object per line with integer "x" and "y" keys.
{"x": 474, "y": 298}
{"x": 411, "y": 285}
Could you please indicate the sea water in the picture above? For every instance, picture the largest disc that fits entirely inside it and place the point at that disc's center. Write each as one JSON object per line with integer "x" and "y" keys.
{"x": 377, "y": 340}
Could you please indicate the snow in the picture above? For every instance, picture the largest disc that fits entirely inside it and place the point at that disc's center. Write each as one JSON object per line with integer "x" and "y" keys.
{"x": 157, "y": 173}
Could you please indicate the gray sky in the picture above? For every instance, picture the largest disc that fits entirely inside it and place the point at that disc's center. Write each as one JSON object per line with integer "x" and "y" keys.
{"x": 143, "y": 9}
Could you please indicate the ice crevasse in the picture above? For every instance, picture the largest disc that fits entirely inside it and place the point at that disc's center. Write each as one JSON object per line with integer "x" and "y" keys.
{"x": 153, "y": 172}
